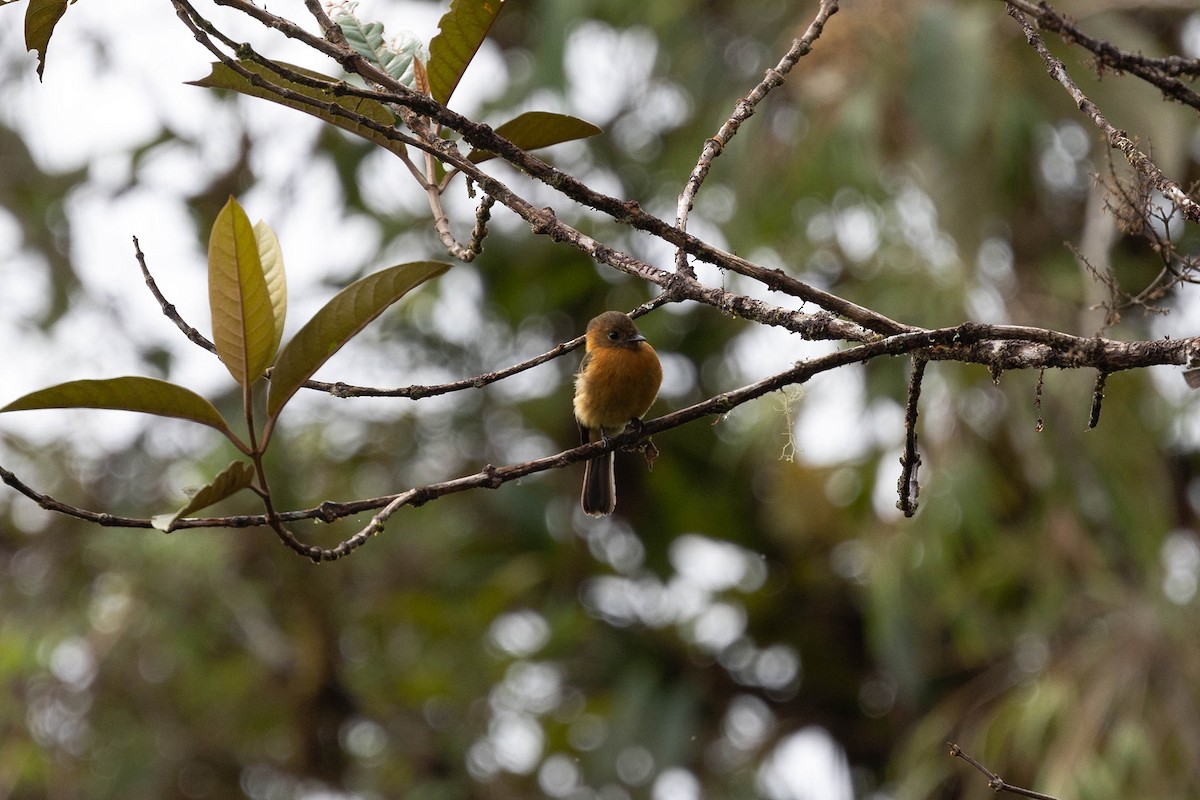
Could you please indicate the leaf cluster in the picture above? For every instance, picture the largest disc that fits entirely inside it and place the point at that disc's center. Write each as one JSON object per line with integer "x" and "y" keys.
{"x": 248, "y": 300}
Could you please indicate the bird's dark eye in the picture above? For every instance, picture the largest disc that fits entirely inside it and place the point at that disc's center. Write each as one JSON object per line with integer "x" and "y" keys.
{"x": 613, "y": 335}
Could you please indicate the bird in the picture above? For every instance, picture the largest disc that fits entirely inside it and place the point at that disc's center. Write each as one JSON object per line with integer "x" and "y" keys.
{"x": 617, "y": 383}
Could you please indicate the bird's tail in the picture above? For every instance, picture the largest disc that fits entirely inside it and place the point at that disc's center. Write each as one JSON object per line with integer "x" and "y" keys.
{"x": 599, "y": 486}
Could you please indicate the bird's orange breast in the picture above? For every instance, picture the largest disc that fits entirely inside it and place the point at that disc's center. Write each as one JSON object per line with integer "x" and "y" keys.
{"x": 616, "y": 385}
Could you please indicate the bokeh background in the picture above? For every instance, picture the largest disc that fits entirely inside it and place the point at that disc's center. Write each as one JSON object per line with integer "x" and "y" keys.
{"x": 757, "y": 620}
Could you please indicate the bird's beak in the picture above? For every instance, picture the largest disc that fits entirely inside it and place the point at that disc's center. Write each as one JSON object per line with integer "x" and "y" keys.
{"x": 637, "y": 337}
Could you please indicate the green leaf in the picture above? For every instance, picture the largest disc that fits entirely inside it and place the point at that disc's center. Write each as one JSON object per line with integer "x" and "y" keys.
{"x": 131, "y": 393}
{"x": 243, "y": 311}
{"x": 367, "y": 40}
{"x": 462, "y": 30}
{"x": 224, "y": 77}
{"x": 535, "y": 129}
{"x": 40, "y": 19}
{"x": 271, "y": 256}
{"x": 230, "y": 481}
{"x": 338, "y": 321}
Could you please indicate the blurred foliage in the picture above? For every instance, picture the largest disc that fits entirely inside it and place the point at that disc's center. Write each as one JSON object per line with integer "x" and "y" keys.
{"x": 1040, "y": 609}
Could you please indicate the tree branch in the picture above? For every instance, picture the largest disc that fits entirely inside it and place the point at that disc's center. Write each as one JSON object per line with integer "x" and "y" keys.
{"x": 482, "y": 137}
{"x": 999, "y": 347}
{"x": 1117, "y": 139}
{"x": 950, "y": 343}
{"x": 544, "y": 221}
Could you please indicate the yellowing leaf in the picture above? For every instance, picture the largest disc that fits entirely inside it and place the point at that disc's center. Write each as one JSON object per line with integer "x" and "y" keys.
{"x": 243, "y": 312}
{"x": 462, "y": 30}
{"x": 271, "y": 256}
{"x": 230, "y": 481}
{"x": 535, "y": 129}
{"x": 131, "y": 393}
{"x": 420, "y": 77}
{"x": 40, "y": 19}
{"x": 338, "y": 321}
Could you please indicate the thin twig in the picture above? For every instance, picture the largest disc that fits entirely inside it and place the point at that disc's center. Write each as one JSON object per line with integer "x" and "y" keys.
{"x": 441, "y": 224}
{"x": 48, "y": 503}
{"x": 1097, "y": 399}
{"x": 995, "y": 782}
{"x": 742, "y": 111}
{"x": 1132, "y": 203}
{"x": 416, "y": 392}
{"x": 168, "y": 308}
{"x": 1117, "y": 139}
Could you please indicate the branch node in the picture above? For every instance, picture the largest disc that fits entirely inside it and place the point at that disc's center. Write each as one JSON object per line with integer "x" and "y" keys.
{"x": 542, "y": 223}
{"x": 327, "y": 512}
{"x": 676, "y": 286}
{"x": 491, "y": 480}
{"x": 632, "y": 209}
